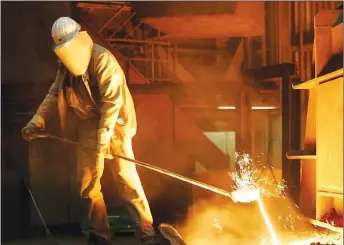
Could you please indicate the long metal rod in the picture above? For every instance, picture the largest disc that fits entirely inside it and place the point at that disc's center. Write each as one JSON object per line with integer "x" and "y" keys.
{"x": 154, "y": 168}
{"x": 47, "y": 231}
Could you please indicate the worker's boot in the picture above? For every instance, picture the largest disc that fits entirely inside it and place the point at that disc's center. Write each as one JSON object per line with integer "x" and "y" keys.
{"x": 149, "y": 240}
{"x": 170, "y": 233}
{"x": 97, "y": 240}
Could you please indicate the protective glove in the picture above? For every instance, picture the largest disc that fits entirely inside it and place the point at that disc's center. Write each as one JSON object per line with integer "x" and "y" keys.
{"x": 31, "y": 131}
{"x": 103, "y": 146}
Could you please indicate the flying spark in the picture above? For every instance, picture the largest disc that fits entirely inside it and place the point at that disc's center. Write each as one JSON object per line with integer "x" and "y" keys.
{"x": 217, "y": 225}
{"x": 244, "y": 179}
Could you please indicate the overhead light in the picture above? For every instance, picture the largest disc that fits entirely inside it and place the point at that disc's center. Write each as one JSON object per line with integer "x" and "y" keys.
{"x": 253, "y": 107}
{"x": 226, "y": 107}
{"x": 263, "y": 107}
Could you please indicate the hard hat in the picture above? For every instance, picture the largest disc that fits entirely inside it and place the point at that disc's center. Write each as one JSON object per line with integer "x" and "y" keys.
{"x": 72, "y": 47}
{"x": 64, "y": 29}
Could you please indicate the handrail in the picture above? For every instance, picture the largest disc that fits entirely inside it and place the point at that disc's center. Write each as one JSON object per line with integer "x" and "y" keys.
{"x": 122, "y": 59}
{"x": 150, "y": 57}
{"x": 315, "y": 81}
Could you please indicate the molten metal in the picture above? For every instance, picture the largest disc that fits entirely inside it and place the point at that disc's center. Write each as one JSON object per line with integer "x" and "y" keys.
{"x": 245, "y": 195}
{"x": 268, "y": 222}
{"x": 248, "y": 189}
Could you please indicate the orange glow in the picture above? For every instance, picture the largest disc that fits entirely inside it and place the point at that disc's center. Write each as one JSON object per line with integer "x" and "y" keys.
{"x": 244, "y": 221}
{"x": 264, "y": 107}
{"x": 226, "y": 107}
{"x": 253, "y": 107}
{"x": 246, "y": 195}
{"x": 323, "y": 239}
{"x": 216, "y": 223}
{"x": 268, "y": 222}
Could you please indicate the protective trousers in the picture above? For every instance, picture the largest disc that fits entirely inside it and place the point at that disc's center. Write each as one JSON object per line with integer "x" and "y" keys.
{"x": 90, "y": 169}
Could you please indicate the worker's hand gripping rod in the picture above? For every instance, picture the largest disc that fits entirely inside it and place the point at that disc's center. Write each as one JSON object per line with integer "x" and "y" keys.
{"x": 146, "y": 165}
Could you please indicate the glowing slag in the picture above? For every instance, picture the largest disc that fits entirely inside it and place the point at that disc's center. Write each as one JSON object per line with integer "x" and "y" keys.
{"x": 268, "y": 222}
{"x": 245, "y": 180}
{"x": 246, "y": 177}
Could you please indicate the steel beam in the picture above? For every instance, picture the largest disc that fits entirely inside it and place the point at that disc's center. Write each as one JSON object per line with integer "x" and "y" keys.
{"x": 122, "y": 25}
{"x": 99, "y": 5}
{"x": 274, "y": 71}
{"x": 132, "y": 31}
{"x": 121, "y": 42}
{"x": 220, "y": 88}
{"x": 290, "y": 114}
{"x": 127, "y": 40}
{"x": 294, "y": 139}
{"x": 290, "y": 102}
{"x": 188, "y": 88}
{"x": 245, "y": 122}
{"x": 111, "y": 19}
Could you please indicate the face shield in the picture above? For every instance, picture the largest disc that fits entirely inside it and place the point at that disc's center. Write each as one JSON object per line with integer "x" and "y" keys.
{"x": 76, "y": 53}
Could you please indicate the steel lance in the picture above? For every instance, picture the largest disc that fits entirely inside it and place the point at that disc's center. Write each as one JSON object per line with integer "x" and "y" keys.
{"x": 148, "y": 166}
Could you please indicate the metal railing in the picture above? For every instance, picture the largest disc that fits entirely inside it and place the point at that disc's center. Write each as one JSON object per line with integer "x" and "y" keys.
{"x": 153, "y": 59}
{"x": 151, "y": 56}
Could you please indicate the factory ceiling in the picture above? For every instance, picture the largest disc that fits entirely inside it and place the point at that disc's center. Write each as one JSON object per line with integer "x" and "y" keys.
{"x": 175, "y": 43}
{"x": 203, "y": 19}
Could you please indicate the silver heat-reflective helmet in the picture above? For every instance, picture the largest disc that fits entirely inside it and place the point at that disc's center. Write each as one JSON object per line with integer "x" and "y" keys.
{"x": 72, "y": 46}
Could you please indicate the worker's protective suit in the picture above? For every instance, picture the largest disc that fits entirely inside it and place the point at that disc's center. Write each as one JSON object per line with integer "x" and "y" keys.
{"x": 94, "y": 90}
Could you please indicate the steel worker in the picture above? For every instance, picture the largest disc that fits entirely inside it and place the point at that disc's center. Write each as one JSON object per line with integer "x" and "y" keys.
{"x": 90, "y": 87}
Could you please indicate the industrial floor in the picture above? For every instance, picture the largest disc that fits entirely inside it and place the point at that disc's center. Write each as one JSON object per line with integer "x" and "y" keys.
{"x": 70, "y": 240}
{"x": 127, "y": 239}
{"x": 122, "y": 240}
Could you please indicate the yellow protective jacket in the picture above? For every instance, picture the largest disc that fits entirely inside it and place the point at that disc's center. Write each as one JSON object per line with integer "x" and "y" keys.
{"x": 107, "y": 90}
